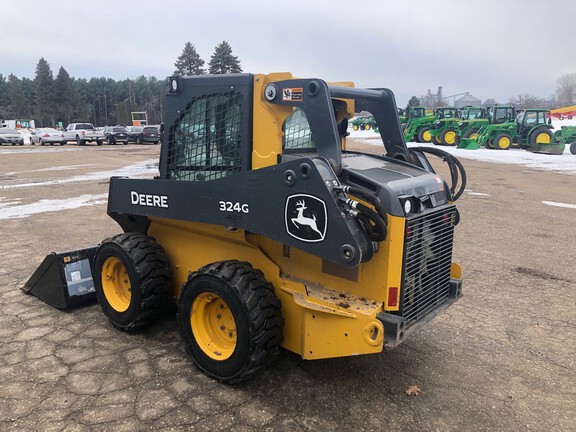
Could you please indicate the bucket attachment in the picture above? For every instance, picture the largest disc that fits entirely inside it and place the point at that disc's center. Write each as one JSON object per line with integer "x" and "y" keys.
{"x": 552, "y": 149}
{"x": 64, "y": 279}
{"x": 468, "y": 144}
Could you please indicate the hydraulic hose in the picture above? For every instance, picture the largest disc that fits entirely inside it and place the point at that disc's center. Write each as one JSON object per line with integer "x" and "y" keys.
{"x": 373, "y": 222}
{"x": 457, "y": 171}
{"x": 372, "y": 199}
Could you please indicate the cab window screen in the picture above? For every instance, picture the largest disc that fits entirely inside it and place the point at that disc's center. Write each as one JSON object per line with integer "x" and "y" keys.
{"x": 207, "y": 138}
{"x": 297, "y": 134}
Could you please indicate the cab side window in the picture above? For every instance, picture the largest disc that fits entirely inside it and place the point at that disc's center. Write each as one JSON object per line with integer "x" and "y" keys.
{"x": 207, "y": 139}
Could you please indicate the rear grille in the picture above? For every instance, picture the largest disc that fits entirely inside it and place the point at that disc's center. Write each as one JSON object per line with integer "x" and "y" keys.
{"x": 427, "y": 259}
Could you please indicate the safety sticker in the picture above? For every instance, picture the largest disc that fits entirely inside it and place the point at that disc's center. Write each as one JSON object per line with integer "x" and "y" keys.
{"x": 292, "y": 94}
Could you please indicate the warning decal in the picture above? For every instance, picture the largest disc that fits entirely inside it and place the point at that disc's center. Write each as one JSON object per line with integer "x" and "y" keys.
{"x": 292, "y": 94}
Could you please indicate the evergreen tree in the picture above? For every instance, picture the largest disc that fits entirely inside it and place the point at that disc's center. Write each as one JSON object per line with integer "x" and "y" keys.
{"x": 414, "y": 101}
{"x": 64, "y": 96}
{"x": 44, "y": 101}
{"x": 4, "y": 99}
{"x": 222, "y": 61}
{"x": 20, "y": 106}
{"x": 189, "y": 62}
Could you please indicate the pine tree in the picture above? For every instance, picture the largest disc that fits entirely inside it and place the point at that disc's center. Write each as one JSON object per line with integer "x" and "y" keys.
{"x": 189, "y": 62}
{"x": 64, "y": 96}
{"x": 19, "y": 104}
{"x": 4, "y": 99}
{"x": 44, "y": 101}
{"x": 222, "y": 61}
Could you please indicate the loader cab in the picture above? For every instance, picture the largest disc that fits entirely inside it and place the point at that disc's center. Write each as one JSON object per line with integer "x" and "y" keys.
{"x": 473, "y": 113}
{"x": 531, "y": 118}
{"x": 416, "y": 112}
{"x": 446, "y": 112}
{"x": 501, "y": 114}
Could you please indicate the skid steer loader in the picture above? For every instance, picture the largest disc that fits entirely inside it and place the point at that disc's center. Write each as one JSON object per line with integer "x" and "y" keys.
{"x": 266, "y": 232}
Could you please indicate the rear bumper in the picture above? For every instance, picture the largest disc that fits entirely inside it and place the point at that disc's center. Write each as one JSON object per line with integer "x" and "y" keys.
{"x": 395, "y": 330}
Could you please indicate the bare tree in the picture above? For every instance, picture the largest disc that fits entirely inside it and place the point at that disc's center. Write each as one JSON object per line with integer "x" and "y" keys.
{"x": 525, "y": 100}
{"x": 566, "y": 90}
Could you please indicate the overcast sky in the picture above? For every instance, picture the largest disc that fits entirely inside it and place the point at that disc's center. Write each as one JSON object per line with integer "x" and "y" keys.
{"x": 490, "y": 48}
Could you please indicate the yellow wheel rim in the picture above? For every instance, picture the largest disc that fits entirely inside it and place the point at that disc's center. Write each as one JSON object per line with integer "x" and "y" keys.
{"x": 450, "y": 137}
{"x": 367, "y": 127}
{"x": 543, "y": 138}
{"x": 504, "y": 143}
{"x": 474, "y": 136}
{"x": 427, "y": 136}
{"x": 355, "y": 127}
{"x": 116, "y": 284}
{"x": 213, "y": 326}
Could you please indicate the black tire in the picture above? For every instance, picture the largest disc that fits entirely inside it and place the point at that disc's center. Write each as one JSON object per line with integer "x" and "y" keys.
{"x": 535, "y": 138}
{"x": 132, "y": 280}
{"x": 62, "y": 143}
{"x": 470, "y": 132}
{"x": 40, "y": 142}
{"x": 139, "y": 140}
{"x": 98, "y": 142}
{"x": 424, "y": 135}
{"x": 233, "y": 293}
{"x": 502, "y": 141}
{"x": 108, "y": 141}
{"x": 573, "y": 148}
{"x": 450, "y": 137}
{"x": 79, "y": 141}
{"x": 436, "y": 140}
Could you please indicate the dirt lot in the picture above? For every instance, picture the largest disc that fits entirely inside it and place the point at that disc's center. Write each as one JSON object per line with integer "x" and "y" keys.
{"x": 502, "y": 358}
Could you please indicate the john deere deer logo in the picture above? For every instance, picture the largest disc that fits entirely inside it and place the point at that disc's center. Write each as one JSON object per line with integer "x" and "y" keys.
{"x": 306, "y": 218}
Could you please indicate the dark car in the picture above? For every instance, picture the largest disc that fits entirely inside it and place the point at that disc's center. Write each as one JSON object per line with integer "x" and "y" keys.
{"x": 11, "y": 136}
{"x": 144, "y": 134}
{"x": 116, "y": 135}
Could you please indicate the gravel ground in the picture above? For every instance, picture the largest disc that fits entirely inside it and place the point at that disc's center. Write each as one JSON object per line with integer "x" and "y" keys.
{"x": 502, "y": 358}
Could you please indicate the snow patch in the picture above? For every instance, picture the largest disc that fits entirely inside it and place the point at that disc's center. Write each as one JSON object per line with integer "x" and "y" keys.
{"x": 148, "y": 168}
{"x": 13, "y": 211}
{"x": 563, "y": 205}
{"x": 478, "y": 193}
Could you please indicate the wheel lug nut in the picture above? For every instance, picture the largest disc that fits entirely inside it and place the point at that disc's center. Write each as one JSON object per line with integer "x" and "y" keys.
{"x": 222, "y": 327}
{"x": 230, "y": 334}
{"x": 218, "y": 316}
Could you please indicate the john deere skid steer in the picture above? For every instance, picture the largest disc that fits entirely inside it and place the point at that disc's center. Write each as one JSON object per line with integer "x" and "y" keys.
{"x": 266, "y": 232}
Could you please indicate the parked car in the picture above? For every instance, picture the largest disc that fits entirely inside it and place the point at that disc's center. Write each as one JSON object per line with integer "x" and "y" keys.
{"x": 47, "y": 136}
{"x": 10, "y": 136}
{"x": 143, "y": 134}
{"x": 116, "y": 135}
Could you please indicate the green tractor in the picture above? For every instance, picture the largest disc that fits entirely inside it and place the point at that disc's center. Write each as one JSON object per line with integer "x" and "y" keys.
{"x": 363, "y": 123}
{"x": 496, "y": 115}
{"x": 532, "y": 130}
{"x": 411, "y": 113}
{"x": 447, "y": 130}
{"x": 418, "y": 128}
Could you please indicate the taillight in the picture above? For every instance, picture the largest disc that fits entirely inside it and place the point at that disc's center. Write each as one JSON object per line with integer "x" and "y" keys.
{"x": 408, "y": 233}
{"x": 46, "y": 135}
{"x": 83, "y": 132}
{"x": 393, "y": 296}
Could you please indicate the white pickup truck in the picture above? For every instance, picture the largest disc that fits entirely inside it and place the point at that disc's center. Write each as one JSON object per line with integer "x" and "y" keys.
{"x": 83, "y": 133}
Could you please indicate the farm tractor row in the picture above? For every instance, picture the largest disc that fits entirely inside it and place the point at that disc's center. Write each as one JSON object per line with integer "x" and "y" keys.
{"x": 531, "y": 130}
